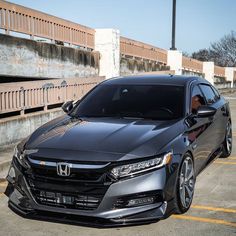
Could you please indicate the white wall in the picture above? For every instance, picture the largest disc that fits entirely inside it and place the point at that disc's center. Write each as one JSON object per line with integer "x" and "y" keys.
{"x": 107, "y": 42}
{"x": 208, "y": 70}
{"x": 174, "y": 60}
{"x": 229, "y": 74}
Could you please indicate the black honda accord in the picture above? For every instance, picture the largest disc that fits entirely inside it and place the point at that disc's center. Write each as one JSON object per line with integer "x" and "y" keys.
{"x": 129, "y": 152}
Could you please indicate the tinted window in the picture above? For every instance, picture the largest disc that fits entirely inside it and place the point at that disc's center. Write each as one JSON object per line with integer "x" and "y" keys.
{"x": 208, "y": 93}
{"x": 197, "y": 99}
{"x": 142, "y": 101}
{"x": 216, "y": 92}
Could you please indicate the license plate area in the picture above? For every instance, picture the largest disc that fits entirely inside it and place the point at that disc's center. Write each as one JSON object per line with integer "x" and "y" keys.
{"x": 57, "y": 198}
{"x": 76, "y": 201}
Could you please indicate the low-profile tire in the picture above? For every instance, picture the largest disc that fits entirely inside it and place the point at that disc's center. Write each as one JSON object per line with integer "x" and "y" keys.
{"x": 185, "y": 185}
{"x": 228, "y": 141}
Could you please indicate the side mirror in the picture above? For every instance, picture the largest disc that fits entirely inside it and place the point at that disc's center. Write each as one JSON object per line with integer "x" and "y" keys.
{"x": 206, "y": 111}
{"x": 67, "y": 106}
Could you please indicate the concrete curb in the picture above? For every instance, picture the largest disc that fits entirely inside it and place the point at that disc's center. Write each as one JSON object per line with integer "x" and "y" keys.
{"x": 4, "y": 166}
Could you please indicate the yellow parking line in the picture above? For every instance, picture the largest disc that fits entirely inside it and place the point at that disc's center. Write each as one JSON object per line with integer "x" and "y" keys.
{"x": 232, "y": 158}
{"x": 3, "y": 184}
{"x": 206, "y": 220}
{"x": 209, "y": 208}
{"x": 225, "y": 162}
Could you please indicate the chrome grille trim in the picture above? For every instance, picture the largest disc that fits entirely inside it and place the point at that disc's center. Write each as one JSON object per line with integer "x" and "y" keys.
{"x": 72, "y": 165}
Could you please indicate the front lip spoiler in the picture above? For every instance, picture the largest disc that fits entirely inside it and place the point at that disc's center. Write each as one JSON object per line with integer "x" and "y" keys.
{"x": 80, "y": 220}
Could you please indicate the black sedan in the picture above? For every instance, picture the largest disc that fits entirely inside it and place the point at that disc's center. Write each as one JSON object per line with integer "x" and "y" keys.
{"x": 129, "y": 152}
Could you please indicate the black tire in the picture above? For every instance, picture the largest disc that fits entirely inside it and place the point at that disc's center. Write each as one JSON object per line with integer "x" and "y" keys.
{"x": 228, "y": 142}
{"x": 180, "y": 207}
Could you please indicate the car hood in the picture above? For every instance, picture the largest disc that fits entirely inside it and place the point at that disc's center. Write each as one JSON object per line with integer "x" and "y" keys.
{"x": 101, "y": 139}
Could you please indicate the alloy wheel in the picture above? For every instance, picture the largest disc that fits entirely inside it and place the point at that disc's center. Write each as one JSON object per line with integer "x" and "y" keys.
{"x": 229, "y": 138}
{"x": 187, "y": 182}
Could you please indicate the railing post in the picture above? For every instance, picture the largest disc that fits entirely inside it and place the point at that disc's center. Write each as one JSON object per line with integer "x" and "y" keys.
{"x": 22, "y": 99}
{"x": 31, "y": 20}
{"x": 7, "y": 30}
{"x": 53, "y": 33}
{"x": 45, "y": 99}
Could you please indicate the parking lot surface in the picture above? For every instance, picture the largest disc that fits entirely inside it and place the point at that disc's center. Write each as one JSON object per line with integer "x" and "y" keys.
{"x": 213, "y": 211}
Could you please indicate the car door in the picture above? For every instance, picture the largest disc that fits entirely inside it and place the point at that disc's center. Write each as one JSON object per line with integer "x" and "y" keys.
{"x": 223, "y": 106}
{"x": 200, "y": 130}
{"x": 218, "y": 123}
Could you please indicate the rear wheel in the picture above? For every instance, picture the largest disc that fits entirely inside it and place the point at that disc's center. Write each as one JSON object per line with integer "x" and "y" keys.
{"x": 227, "y": 144}
{"x": 185, "y": 185}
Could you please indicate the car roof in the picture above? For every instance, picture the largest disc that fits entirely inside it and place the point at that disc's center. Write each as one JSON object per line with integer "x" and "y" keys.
{"x": 177, "y": 80}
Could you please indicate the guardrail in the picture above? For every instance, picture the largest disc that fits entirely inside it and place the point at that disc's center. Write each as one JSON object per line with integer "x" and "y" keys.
{"x": 219, "y": 71}
{"x": 138, "y": 49}
{"x": 24, "y": 20}
{"x": 22, "y": 96}
{"x": 192, "y": 64}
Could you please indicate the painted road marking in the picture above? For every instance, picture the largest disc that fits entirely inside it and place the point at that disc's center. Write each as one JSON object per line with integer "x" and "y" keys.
{"x": 3, "y": 184}
{"x": 225, "y": 162}
{"x": 1, "y": 194}
{"x": 206, "y": 220}
{"x": 209, "y": 208}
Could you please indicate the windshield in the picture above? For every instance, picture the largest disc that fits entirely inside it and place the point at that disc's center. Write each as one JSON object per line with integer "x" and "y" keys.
{"x": 162, "y": 102}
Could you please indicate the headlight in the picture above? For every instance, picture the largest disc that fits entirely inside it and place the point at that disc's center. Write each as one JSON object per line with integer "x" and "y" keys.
{"x": 139, "y": 167}
{"x": 20, "y": 156}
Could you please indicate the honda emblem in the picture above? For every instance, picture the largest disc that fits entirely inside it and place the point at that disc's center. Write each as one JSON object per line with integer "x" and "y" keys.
{"x": 63, "y": 169}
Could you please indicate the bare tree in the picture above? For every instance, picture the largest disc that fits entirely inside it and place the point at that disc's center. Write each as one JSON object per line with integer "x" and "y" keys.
{"x": 223, "y": 52}
{"x": 201, "y": 55}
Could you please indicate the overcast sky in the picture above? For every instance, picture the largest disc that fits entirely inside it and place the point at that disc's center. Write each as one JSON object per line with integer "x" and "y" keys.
{"x": 199, "y": 22}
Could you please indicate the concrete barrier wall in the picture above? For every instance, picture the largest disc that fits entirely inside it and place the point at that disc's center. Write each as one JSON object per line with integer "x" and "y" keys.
{"x": 130, "y": 66}
{"x": 15, "y": 128}
{"x": 24, "y": 57}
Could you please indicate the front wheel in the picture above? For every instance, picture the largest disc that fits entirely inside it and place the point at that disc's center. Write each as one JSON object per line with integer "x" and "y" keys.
{"x": 185, "y": 185}
{"x": 227, "y": 144}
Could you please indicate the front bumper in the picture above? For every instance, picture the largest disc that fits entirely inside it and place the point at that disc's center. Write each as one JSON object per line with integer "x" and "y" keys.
{"x": 22, "y": 201}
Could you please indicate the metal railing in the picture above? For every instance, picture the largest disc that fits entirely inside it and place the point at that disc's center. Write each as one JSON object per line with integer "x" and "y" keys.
{"x": 24, "y": 20}
{"x": 138, "y": 49}
{"x": 21, "y": 96}
{"x": 219, "y": 71}
{"x": 192, "y": 64}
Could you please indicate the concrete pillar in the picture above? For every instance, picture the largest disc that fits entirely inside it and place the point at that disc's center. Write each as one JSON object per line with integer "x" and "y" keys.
{"x": 174, "y": 61}
{"x": 229, "y": 74}
{"x": 107, "y": 42}
{"x": 208, "y": 70}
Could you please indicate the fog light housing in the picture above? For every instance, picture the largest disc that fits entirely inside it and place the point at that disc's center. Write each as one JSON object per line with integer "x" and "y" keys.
{"x": 140, "y": 201}
{"x": 11, "y": 175}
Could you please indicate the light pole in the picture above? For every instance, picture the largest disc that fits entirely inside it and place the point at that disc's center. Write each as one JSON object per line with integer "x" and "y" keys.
{"x": 173, "y": 26}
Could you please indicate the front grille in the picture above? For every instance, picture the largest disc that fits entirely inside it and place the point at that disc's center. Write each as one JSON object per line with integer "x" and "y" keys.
{"x": 84, "y": 189}
{"x": 75, "y": 176}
